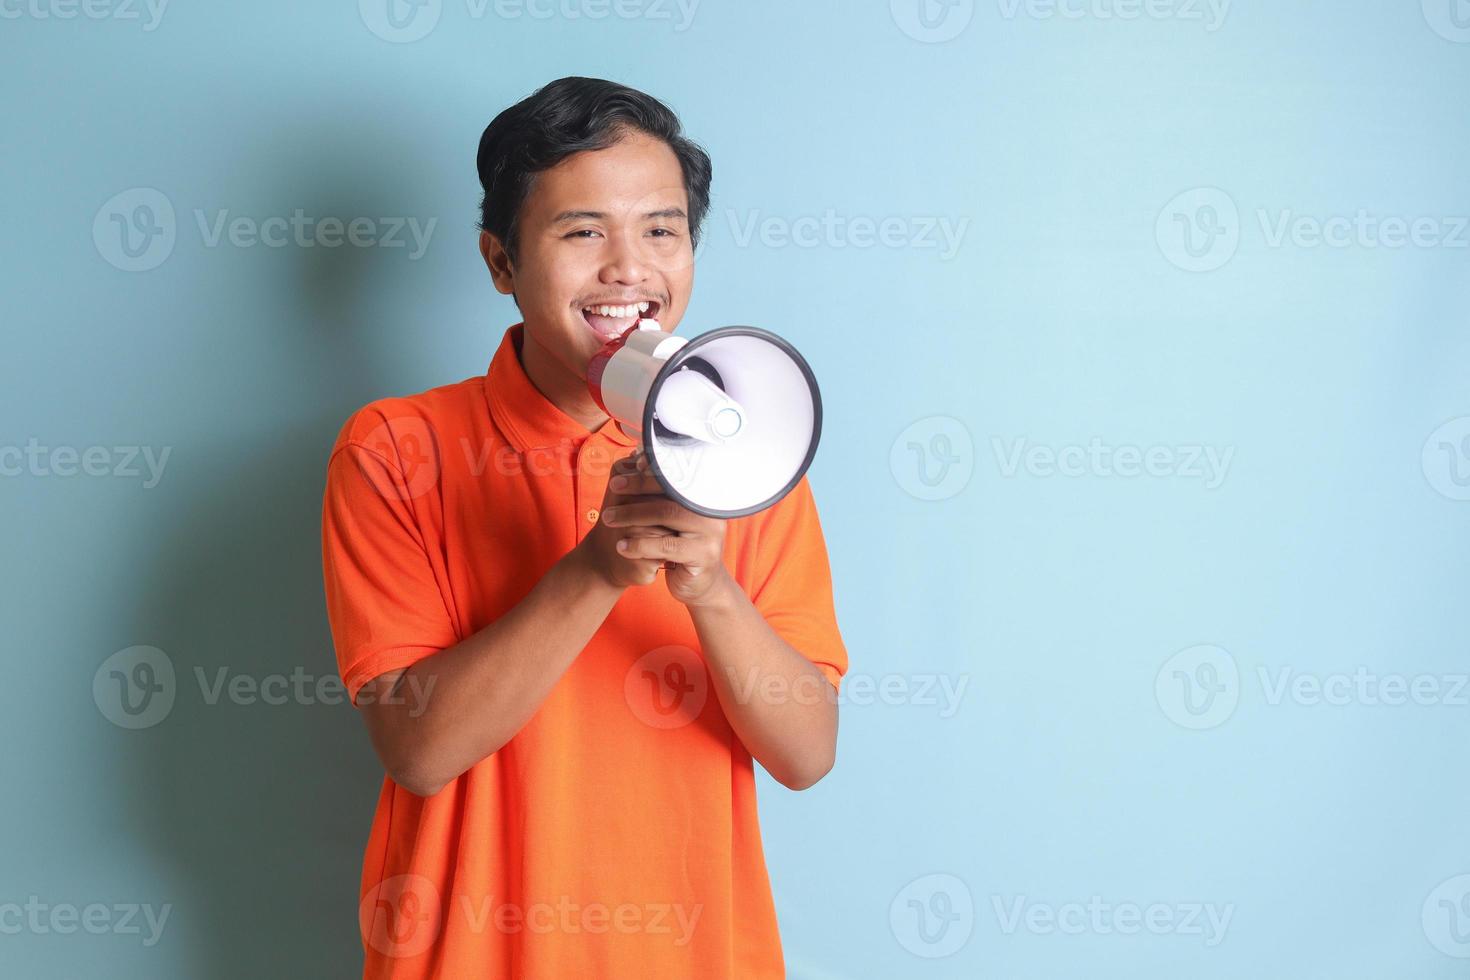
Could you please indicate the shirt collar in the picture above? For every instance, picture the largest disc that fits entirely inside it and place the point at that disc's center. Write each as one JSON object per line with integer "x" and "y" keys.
{"x": 528, "y": 418}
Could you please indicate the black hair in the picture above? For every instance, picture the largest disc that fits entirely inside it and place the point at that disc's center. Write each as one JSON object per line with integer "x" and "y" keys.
{"x": 568, "y": 116}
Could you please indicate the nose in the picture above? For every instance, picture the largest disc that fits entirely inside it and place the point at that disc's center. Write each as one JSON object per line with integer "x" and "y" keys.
{"x": 626, "y": 264}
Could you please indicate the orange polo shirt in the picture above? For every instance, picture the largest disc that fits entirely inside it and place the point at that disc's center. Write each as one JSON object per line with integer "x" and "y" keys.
{"x": 616, "y": 834}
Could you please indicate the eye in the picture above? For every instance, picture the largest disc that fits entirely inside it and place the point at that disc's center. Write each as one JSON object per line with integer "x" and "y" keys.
{"x": 582, "y": 232}
{"x": 664, "y": 232}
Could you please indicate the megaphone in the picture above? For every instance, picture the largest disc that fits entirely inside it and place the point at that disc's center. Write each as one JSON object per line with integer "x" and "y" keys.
{"x": 729, "y": 420}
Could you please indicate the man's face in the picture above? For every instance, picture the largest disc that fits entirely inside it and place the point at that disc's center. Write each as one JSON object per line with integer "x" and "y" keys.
{"x": 603, "y": 228}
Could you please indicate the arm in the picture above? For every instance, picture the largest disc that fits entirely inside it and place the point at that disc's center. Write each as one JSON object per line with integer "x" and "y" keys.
{"x": 436, "y": 719}
{"x": 780, "y": 704}
{"x": 433, "y": 720}
{"x": 783, "y": 708}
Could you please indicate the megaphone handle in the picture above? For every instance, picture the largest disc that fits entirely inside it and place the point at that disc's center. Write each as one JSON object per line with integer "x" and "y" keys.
{"x": 653, "y": 528}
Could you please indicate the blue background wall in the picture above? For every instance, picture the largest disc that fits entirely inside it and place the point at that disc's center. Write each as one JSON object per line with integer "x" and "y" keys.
{"x": 1090, "y": 718}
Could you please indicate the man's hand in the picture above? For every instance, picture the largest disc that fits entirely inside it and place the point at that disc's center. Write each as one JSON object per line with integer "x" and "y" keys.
{"x": 795, "y": 738}
{"x": 599, "y": 548}
{"x": 653, "y": 527}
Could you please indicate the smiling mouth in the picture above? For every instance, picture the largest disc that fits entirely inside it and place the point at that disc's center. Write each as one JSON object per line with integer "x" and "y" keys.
{"x": 608, "y": 321}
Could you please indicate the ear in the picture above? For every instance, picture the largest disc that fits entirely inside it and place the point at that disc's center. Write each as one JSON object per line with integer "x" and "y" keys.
{"x": 498, "y": 262}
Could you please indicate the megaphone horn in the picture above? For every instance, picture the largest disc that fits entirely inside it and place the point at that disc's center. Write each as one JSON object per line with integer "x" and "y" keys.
{"x": 729, "y": 419}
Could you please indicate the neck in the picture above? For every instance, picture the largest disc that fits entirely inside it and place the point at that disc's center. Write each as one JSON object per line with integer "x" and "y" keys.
{"x": 564, "y": 390}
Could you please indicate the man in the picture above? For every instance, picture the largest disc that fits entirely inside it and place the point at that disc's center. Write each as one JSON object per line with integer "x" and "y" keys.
{"x": 566, "y": 674}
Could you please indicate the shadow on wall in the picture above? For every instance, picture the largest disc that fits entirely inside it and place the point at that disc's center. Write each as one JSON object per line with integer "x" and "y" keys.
{"x": 261, "y": 811}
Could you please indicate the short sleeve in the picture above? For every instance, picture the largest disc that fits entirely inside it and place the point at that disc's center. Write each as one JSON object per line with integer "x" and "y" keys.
{"x": 384, "y": 603}
{"x": 793, "y": 588}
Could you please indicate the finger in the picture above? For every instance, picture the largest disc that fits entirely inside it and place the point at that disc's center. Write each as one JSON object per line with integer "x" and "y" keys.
{"x": 653, "y": 511}
{"x": 645, "y": 532}
{"x": 633, "y": 483}
{"x": 662, "y": 547}
{"x": 648, "y": 571}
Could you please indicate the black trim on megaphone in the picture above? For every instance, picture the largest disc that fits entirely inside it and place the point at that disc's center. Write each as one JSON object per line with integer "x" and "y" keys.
{"x": 683, "y": 354}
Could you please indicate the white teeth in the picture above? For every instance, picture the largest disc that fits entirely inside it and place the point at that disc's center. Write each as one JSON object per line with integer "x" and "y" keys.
{"x": 618, "y": 311}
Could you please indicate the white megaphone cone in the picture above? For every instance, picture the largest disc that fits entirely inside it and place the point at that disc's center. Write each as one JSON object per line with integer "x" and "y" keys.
{"x": 729, "y": 420}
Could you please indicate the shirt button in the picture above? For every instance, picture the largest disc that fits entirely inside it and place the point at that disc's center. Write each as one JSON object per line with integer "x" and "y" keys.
{"x": 592, "y": 516}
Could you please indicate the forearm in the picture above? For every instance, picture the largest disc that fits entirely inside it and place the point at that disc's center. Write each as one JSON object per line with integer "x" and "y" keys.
{"x": 780, "y": 704}
{"x": 476, "y": 695}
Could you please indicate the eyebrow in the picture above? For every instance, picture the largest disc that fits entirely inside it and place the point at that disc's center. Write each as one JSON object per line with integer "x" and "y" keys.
{"x": 566, "y": 216}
